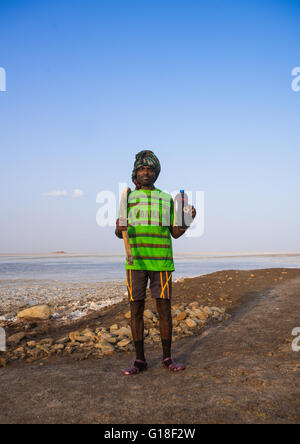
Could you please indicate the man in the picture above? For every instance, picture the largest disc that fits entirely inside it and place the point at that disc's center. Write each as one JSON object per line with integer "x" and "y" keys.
{"x": 150, "y": 226}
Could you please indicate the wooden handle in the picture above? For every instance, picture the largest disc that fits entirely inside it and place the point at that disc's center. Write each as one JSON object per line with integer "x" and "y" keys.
{"x": 127, "y": 247}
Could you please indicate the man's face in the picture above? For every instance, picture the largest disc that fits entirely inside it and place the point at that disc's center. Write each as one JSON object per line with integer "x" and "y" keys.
{"x": 146, "y": 176}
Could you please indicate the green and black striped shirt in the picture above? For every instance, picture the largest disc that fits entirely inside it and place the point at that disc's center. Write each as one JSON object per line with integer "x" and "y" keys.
{"x": 150, "y": 213}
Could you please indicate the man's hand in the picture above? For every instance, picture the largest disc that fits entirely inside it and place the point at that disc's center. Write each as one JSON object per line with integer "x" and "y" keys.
{"x": 192, "y": 211}
{"x": 121, "y": 225}
{"x": 175, "y": 231}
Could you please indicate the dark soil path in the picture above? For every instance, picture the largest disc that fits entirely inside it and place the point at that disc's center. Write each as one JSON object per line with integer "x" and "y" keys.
{"x": 240, "y": 371}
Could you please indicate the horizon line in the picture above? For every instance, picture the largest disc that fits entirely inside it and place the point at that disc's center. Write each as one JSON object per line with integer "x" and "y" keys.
{"x": 201, "y": 254}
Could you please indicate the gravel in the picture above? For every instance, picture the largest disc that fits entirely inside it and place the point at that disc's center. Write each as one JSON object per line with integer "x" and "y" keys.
{"x": 67, "y": 301}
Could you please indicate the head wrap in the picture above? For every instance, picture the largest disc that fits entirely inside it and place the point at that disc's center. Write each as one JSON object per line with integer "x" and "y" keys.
{"x": 145, "y": 158}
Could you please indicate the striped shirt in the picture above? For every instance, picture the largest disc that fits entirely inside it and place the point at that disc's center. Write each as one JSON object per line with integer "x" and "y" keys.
{"x": 150, "y": 213}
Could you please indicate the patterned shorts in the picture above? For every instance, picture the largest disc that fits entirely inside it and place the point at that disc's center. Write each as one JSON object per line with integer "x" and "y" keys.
{"x": 160, "y": 284}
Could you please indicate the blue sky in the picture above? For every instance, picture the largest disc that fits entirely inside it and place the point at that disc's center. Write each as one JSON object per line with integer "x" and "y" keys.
{"x": 205, "y": 85}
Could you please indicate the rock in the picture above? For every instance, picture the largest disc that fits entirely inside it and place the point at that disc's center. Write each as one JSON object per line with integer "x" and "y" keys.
{"x": 47, "y": 342}
{"x": 123, "y": 331}
{"x": 58, "y": 347}
{"x": 128, "y": 315}
{"x": 83, "y": 338}
{"x": 175, "y": 322}
{"x": 208, "y": 311}
{"x": 186, "y": 331}
{"x": 156, "y": 338}
{"x": 77, "y": 336}
{"x": 216, "y": 309}
{"x": 177, "y": 330}
{"x": 181, "y": 316}
{"x": 148, "y": 314}
{"x": 192, "y": 314}
{"x": 194, "y": 304}
{"x": 19, "y": 350}
{"x": 124, "y": 342}
{"x": 94, "y": 306}
{"x": 196, "y": 311}
{"x": 202, "y": 315}
{"x": 42, "y": 312}
{"x": 33, "y": 352}
{"x": 113, "y": 328}
{"x": 63, "y": 340}
{"x": 148, "y": 323}
{"x": 153, "y": 332}
{"x": 107, "y": 337}
{"x": 3, "y": 362}
{"x": 89, "y": 334}
{"x": 74, "y": 335}
{"x": 16, "y": 338}
{"x": 106, "y": 347}
{"x": 191, "y": 323}
{"x": 44, "y": 348}
{"x": 216, "y": 315}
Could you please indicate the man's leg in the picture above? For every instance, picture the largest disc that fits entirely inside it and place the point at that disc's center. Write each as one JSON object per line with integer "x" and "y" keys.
{"x": 137, "y": 327}
{"x": 137, "y": 285}
{"x": 165, "y": 325}
{"x": 161, "y": 289}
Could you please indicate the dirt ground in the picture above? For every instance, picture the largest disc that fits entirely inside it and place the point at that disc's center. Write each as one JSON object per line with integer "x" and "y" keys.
{"x": 240, "y": 371}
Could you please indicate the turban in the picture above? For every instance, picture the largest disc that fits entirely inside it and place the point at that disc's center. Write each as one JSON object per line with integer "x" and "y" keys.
{"x": 145, "y": 158}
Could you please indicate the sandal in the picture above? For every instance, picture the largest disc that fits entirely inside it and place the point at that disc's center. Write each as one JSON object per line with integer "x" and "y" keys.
{"x": 170, "y": 364}
{"x": 137, "y": 366}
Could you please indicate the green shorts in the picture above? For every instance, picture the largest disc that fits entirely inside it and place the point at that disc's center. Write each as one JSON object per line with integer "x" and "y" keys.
{"x": 160, "y": 284}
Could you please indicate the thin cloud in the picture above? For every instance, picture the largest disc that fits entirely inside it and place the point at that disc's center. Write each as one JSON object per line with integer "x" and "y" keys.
{"x": 78, "y": 193}
{"x": 56, "y": 193}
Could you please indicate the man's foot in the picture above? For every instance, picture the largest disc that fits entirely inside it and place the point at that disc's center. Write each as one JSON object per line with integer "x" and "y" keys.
{"x": 137, "y": 366}
{"x": 170, "y": 364}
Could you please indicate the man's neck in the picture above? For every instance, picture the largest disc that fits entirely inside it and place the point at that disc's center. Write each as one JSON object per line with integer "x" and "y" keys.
{"x": 148, "y": 188}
